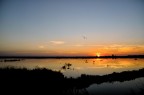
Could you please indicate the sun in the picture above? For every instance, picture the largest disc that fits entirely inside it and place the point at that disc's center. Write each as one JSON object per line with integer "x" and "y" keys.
{"x": 98, "y": 54}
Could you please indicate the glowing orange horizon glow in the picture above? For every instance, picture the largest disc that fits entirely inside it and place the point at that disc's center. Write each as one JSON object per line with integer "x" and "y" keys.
{"x": 67, "y": 50}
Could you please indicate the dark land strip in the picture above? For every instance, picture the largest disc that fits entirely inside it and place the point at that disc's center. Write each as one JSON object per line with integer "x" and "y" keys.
{"x": 42, "y": 80}
{"x": 75, "y": 57}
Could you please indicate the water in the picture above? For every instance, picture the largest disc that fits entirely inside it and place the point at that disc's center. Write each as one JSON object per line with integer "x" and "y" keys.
{"x": 75, "y": 67}
{"x": 133, "y": 87}
{"x": 80, "y": 66}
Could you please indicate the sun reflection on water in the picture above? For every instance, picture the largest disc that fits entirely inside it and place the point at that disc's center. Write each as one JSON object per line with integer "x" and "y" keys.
{"x": 76, "y": 67}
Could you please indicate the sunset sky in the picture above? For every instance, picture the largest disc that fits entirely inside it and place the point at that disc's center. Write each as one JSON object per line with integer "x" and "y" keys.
{"x": 71, "y": 27}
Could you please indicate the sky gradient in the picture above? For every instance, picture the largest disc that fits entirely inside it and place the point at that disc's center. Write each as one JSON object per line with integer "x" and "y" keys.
{"x": 71, "y": 27}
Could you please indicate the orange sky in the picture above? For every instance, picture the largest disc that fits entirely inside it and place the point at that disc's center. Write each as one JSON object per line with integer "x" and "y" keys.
{"x": 75, "y": 27}
{"x": 61, "y": 48}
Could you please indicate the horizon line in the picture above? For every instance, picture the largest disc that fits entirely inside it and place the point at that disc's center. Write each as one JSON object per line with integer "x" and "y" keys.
{"x": 109, "y": 56}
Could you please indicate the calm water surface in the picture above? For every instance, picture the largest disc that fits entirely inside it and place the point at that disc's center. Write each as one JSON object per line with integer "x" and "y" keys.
{"x": 80, "y": 66}
{"x": 133, "y": 87}
{"x": 75, "y": 67}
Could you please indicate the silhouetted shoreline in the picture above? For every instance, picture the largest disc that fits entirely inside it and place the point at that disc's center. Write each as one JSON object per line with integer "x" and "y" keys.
{"x": 46, "y": 74}
{"x": 40, "y": 77}
{"x": 43, "y": 57}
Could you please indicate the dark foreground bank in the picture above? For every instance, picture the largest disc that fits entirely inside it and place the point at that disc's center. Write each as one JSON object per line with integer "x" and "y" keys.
{"x": 50, "y": 82}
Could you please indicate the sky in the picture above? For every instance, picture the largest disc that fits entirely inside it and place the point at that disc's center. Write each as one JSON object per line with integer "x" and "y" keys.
{"x": 71, "y": 27}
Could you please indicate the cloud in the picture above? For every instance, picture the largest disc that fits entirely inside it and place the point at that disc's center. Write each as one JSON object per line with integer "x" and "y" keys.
{"x": 78, "y": 45}
{"x": 57, "y": 42}
{"x": 82, "y": 45}
{"x": 41, "y": 46}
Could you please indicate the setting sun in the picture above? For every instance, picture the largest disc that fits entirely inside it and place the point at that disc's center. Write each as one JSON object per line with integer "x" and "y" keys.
{"x": 98, "y": 54}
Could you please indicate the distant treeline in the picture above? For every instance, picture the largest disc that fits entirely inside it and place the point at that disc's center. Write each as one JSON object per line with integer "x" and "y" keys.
{"x": 43, "y": 57}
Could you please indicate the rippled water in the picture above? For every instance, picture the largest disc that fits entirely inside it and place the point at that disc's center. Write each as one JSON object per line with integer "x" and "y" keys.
{"x": 77, "y": 67}
{"x": 133, "y": 87}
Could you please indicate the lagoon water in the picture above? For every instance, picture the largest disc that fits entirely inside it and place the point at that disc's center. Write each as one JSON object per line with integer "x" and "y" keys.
{"x": 80, "y": 66}
{"x": 132, "y": 87}
{"x": 75, "y": 67}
